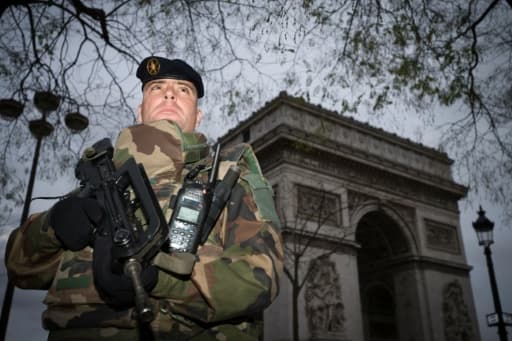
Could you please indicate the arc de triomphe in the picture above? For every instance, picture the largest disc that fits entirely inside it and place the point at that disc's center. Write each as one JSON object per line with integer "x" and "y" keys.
{"x": 372, "y": 219}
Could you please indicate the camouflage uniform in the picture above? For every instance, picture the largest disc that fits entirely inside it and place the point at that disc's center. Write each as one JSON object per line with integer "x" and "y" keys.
{"x": 236, "y": 276}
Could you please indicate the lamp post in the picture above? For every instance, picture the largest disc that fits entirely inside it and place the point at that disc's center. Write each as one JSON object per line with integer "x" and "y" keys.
{"x": 484, "y": 228}
{"x": 46, "y": 102}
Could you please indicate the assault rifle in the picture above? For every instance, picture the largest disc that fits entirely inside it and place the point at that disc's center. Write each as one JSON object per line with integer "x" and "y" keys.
{"x": 134, "y": 242}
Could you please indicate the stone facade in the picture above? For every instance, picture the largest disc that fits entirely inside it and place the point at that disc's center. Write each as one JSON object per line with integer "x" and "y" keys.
{"x": 371, "y": 222}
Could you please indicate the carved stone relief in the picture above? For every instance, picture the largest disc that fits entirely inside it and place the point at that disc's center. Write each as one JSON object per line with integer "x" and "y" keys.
{"x": 457, "y": 323}
{"x": 441, "y": 236}
{"x": 319, "y": 206}
{"x": 324, "y": 306}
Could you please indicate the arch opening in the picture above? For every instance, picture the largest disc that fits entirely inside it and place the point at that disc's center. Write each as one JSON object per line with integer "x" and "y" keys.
{"x": 382, "y": 241}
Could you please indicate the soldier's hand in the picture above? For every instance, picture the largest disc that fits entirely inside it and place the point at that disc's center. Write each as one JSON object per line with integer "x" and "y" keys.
{"x": 72, "y": 219}
{"x": 117, "y": 288}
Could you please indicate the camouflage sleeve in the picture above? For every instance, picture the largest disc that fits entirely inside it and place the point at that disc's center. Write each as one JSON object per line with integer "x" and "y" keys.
{"x": 32, "y": 254}
{"x": 240, "y": 266}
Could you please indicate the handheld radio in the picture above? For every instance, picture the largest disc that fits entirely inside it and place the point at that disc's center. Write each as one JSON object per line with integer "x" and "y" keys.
{"x": 190, "y": 208}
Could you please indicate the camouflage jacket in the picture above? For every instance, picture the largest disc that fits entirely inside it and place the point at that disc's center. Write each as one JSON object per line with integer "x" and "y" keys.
{"x": 238, "y": 269}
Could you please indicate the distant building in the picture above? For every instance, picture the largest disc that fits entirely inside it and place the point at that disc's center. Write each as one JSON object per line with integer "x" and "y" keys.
{"x": 378, "y": 215}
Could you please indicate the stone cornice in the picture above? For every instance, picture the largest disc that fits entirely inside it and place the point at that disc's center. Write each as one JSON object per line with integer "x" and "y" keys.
{"x": 336, "y": 118}
{"x": 286, "y": 136}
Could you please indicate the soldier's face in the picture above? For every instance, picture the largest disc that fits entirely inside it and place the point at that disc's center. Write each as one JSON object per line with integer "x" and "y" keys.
{"x": 170, "y": 99}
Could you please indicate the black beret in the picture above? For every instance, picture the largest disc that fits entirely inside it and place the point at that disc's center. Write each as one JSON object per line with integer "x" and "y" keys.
{"x": 154, "y": 67}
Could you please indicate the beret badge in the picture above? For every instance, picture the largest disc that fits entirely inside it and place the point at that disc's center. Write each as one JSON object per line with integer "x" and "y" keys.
{"x": 153, "y": 66}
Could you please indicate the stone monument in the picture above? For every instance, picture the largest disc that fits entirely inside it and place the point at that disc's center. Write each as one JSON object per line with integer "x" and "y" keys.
{"x": 371, "y": 227}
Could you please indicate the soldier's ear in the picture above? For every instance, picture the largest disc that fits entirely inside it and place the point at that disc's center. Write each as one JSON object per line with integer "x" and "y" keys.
{"x": 199, "y": 117}
{"x": 139, "y": 114}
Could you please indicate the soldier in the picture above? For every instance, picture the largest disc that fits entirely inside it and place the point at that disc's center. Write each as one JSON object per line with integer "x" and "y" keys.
{"x": 238, "y": 268}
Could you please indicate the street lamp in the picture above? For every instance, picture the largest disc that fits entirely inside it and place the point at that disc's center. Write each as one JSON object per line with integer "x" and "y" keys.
{"x": 483, "y": 228}
{"x": 46, "y": 102}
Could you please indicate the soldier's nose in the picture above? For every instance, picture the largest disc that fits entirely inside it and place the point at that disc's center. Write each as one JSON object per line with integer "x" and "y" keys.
{"x": 169, "y": 93}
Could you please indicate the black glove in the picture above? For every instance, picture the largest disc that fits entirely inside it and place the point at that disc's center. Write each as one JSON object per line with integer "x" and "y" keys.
{"x": 117, "y": 288}
{"x": 72, "y": 220}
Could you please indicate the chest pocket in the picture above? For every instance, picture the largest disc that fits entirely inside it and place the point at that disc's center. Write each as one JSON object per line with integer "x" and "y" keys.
{"x": 261, "y": 189}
